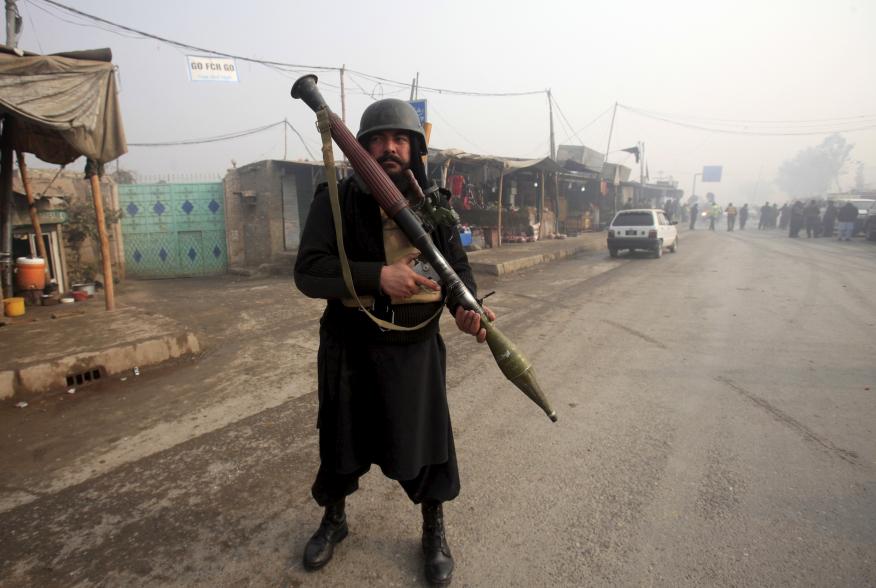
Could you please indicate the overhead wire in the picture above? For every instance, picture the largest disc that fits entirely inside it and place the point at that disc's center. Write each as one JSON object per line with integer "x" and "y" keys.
{"x": 214, "y": 139}
{"x": 759, "y": 121}
{"x": 178, "y": 43}
{"x": 751, "y": 132}
{"x": 305, "y": 68}
{"x": 36, "y": 35}
{"x": 563, "y": 118}
{"x": 455, "y": 130}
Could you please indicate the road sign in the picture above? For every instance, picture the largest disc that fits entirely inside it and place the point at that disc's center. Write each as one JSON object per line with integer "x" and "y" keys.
{"x": 420, "y": 107}
{"x": 712, "y": 173}
{"x": 212, "y": 69}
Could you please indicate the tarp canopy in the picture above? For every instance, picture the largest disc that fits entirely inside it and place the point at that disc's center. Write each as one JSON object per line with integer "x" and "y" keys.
{"x": 62, "y": 107}
{"x": 508, "y": 164}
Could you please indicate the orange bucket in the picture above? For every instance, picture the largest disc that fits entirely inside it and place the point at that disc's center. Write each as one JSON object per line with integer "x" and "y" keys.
{"x": 13, "y": 306}
{"x": 30, "y": 273}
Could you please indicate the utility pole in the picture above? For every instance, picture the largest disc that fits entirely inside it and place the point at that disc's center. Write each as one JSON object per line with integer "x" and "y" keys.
{"x": 551, "y": 114}
{"x": 343, "y": 96}
{"x": 13, "y": 24}
{"x": 343, "y": 114}
{"x": 285, "y": 136}
{"x": 605, "y": 161}
{"x": 693, "y": 189}
{"x": 642, "y": 170}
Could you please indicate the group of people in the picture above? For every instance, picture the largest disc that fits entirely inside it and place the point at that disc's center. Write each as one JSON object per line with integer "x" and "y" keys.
{"x": 713, "y": 213}
{"x": 771, "y": 215}
{"x": 810, "y": 217}
{"x": 794, "y": 217}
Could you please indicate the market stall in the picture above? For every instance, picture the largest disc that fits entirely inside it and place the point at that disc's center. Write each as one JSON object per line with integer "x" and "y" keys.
{"x": 59, "y": 108}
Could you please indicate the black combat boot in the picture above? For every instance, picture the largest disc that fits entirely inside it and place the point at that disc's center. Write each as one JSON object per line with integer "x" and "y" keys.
{"x": 438, "y": 561}
{"x": 332, "y": 530}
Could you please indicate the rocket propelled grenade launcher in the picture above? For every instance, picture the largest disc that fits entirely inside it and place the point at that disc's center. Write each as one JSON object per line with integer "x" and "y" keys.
{"x": 514, "y": 365}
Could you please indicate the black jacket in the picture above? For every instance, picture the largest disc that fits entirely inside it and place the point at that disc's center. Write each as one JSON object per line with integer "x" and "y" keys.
{"x": 848, "y": 213}
{"x": 318, "y": 268}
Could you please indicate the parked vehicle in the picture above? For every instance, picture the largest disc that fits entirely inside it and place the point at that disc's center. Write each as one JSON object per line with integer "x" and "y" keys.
{"x": 870, "y": 224}
{"x": 644, "y": 229}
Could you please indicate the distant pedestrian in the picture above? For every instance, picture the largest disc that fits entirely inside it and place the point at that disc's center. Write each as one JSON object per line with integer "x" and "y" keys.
{"x": 714, "y": 213}
{"x": 784, "y": 216}
{"x": 796, "y": 221}
{"x": 694, "y": 215}
{"x": 847, "y": 215}
{"x": 743, "y": 216}
{"x": 763, "y": 221}
{"x": 774, "y": 215}
{"x": 812, "y": 218}
{"x": 731, "y": 216}
{"x": 828, "y": 220}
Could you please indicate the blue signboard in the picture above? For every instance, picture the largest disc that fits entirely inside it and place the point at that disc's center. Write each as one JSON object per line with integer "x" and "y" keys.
{"x": 711, "y": 173}
{"x": 420, "y": 107}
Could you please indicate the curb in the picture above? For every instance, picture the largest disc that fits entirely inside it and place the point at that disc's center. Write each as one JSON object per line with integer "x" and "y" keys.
{"x": 38, "y": 378}
{"x": 520, "y": 263}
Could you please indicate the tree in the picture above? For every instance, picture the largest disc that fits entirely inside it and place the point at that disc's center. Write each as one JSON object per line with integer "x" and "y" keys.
{"x": 81, "y": 226}
{"x": 124, "y": 176}
{"x": 814, "y": 170}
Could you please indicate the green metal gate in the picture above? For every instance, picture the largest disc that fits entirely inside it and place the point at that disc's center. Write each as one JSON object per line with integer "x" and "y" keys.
{"x": 173, "y": 230}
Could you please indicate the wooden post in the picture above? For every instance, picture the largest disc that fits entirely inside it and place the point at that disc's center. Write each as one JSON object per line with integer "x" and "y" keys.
{"x": 108, "y": 289}
{"x": 540, "y": 204}
{"x": 499, "y": 206}
{"x": 444, "y": 171}
{"x": 117, "y": 232}
{"x": 6, "y": 150}
{"x": 31, "y": 207}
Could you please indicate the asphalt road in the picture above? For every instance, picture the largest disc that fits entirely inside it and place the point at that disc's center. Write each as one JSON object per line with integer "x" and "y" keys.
{"x": 716, "y": 411}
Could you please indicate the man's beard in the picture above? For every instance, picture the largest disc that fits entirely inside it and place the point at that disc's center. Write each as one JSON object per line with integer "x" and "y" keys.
{"x": 399, "y": 178}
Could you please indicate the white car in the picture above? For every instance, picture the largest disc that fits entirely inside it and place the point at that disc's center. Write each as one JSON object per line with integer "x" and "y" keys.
{"x": 642, "y": 228}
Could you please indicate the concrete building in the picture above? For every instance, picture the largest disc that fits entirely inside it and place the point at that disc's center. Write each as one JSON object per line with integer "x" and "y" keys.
{"x": 266, "y": 205}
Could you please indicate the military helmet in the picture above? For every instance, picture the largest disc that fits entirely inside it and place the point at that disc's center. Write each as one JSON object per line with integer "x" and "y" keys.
{"x": 389, "y": 114}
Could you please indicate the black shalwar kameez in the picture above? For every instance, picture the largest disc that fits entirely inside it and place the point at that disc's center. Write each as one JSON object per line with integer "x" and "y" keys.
{"x": 382, "y": 396}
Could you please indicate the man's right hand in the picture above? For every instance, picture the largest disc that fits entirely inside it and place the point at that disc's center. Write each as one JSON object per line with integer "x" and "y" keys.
{"x": 399, "y": 280}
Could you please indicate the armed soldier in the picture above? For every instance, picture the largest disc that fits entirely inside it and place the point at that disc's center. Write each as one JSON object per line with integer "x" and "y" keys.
{"x": 382, "y": 397}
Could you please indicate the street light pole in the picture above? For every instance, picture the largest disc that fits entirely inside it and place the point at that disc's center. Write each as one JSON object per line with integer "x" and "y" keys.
{"x": 693, "y": 190}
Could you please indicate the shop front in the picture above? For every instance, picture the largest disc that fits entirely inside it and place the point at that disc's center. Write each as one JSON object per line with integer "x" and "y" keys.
{"x": 500, "y": 199}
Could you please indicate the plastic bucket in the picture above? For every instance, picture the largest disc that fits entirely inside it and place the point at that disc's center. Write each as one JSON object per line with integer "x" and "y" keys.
{"x": 14, "y": 306}
{"x": 87, "y": 288}
{"x": 30, "y": 273}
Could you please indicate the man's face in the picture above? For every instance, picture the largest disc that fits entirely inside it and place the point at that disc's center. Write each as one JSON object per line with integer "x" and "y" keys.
{"x": 391, "y": 149}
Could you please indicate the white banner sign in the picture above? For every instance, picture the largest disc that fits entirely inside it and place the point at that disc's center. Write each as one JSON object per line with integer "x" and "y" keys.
{"x": 212, "y": 69}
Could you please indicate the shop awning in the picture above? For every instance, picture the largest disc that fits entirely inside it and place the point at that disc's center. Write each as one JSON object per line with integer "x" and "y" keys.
{"x": 440, "y": 156}
{"x": 63, "y": 106}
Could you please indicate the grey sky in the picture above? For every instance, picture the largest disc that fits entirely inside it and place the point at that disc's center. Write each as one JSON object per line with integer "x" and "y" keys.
{"x": 741, "y": 60}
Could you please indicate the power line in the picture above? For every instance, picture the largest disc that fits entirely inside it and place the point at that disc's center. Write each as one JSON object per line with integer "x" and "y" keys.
{"x": 443, "y": 90}
{"x": 303, "y": 142}
{"x": 455, "y": 130}
{"x": 792, "y": 122}
{"x": 178, "y": 43}
{"x": 278, "y": 64}
{"x": 225, "y": 137}
{"x": 751, "y": 132}
{"x": 588, "y": 125}
{"x": 565, "y": 120}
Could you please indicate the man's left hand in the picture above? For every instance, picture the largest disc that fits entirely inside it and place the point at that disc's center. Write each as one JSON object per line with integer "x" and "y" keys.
{"x": 469, "y": 321}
